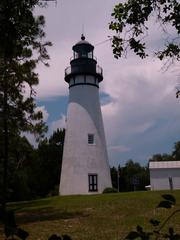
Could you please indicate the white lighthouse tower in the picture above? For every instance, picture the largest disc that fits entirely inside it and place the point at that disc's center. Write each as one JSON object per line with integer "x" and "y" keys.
{"x": 85, "y": 168}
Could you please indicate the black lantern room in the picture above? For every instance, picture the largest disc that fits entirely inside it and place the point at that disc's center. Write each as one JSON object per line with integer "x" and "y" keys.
{"x": 83, "y": 62}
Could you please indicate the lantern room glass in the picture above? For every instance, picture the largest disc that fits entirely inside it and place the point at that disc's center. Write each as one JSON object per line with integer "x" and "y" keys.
{"x": 83, "y": 54}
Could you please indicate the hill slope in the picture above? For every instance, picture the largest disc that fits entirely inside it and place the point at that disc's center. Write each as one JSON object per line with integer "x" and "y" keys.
{"x": 106, "y": 216}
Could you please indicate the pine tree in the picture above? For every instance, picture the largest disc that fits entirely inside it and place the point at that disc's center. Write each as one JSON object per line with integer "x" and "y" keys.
{"x": 21, "y": 48}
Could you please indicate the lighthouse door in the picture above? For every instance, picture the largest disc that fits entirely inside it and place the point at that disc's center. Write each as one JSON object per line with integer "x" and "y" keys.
{"x": 93, "y": 182}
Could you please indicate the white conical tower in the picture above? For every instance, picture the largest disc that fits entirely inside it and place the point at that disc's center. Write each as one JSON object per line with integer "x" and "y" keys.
{"x": 85, "y": 168}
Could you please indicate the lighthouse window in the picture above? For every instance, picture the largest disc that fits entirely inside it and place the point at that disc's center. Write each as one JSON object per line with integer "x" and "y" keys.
{"x": 93, "y": 182}
{"x": 90, "y": 138}
{"x": 90, "y": 55}
{"x": 84, "y": 54}
{"x": 76, "y": 55}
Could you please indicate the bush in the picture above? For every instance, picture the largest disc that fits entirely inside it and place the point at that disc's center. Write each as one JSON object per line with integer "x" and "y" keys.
{"x": 159, "y": 230}
{"x": 110, "y": 190}
{"x": 54, "y": 191}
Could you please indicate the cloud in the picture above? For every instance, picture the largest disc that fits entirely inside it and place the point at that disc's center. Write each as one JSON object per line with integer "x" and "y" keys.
{"x": 141, "y": 127}
{"x": 64, "y": 27}
{"x": 60, "y": 123}
{"x": 120, "y": 149}
{"x": 141, "y": 114}
{"x": 52, "y": 82}
{"x": 144, "y": 112}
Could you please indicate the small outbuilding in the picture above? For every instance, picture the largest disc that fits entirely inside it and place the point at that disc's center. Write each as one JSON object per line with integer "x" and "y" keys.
{"x": 164, "y": 175}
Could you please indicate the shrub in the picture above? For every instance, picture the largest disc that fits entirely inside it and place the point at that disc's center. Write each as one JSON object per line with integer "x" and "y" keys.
{"x": 54, "y": 191}
{"x": 110, "y": 190}
{"x": 158, "y": 232}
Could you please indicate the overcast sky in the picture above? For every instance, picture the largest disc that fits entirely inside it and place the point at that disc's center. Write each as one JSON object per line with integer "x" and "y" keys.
{"x": 141, "y": 114}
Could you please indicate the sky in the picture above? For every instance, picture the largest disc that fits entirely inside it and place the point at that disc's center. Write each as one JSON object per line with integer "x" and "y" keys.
{"x": 140, "y": 111}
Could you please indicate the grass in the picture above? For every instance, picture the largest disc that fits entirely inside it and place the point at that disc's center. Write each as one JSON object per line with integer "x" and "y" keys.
{"x": 106, "y": 216}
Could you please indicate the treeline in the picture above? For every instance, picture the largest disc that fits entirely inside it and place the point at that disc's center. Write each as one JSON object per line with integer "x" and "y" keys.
{"x": 173, "y": 156}
{"x": 34, "y": 173}
{"x": 131, "y": 177}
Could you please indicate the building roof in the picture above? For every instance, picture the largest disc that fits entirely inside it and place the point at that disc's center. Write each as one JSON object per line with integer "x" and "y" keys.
{"x": 164, "y": 164}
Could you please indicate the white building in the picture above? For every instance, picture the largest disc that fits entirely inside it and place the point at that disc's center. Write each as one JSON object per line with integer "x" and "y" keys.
{"x": 85, "y": 168}
{"x": 164, "y": 175}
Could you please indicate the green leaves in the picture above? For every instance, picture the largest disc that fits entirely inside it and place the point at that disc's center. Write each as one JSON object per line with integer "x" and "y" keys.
{"x": 168, "y": 202}
{"x": 11, "y": 229}
{"x": 132, "y": 235}
{"x": 21, "y": 48}
{"x": 138, "y": 47}
{"x": 172, "y": 50}
{"x": 21, "y": 233}
{"x": 171, "y": 235}
{"x": 63, "y": 237}
{"x": 139, "y": 234}
{"x": 154, "y": 222}
{"x": 129, "y": 24}
{"x": 164, "y": 204}
{"x": 117, "y": 44}
{"x": 129, "y": 18}
{"x": 158, "y": 227}
{"x": 169, "y": 198}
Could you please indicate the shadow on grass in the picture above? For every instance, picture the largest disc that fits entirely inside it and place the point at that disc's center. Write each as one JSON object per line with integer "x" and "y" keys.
{"x": 1, "y": 230}
{"x": 47, "y": 214}
{"x": 28, "y": 204}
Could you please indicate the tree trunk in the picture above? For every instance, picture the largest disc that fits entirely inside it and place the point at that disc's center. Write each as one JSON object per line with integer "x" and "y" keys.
{"x": 6, "y": 144}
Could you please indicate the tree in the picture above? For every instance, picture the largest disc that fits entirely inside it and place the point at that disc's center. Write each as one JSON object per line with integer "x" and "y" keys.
{"x": 161, "y": 157}
{"x": 46, "y": 167}
{"x": 21, "y": 157}
{"x": 132, "y": 176}
{"x": 174, "y": 156}
{"x": 21, "y": 48}
{"x": 176, "y": 151}
{"x": 34, "y": 173}
{"x": 130, "y": 26}
{"x": 114, "y": 177}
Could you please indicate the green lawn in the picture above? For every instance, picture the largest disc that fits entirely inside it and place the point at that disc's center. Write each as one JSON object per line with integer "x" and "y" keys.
{"x": 106, "y": 216}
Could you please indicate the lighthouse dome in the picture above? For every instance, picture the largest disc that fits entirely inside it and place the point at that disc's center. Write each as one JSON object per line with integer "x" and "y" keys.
{"x": 83, "y": 48}
{"x": 82, "y": 41}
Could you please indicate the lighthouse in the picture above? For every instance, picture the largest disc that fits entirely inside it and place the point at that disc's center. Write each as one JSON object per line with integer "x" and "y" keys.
{"x": 85, "y": 168}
